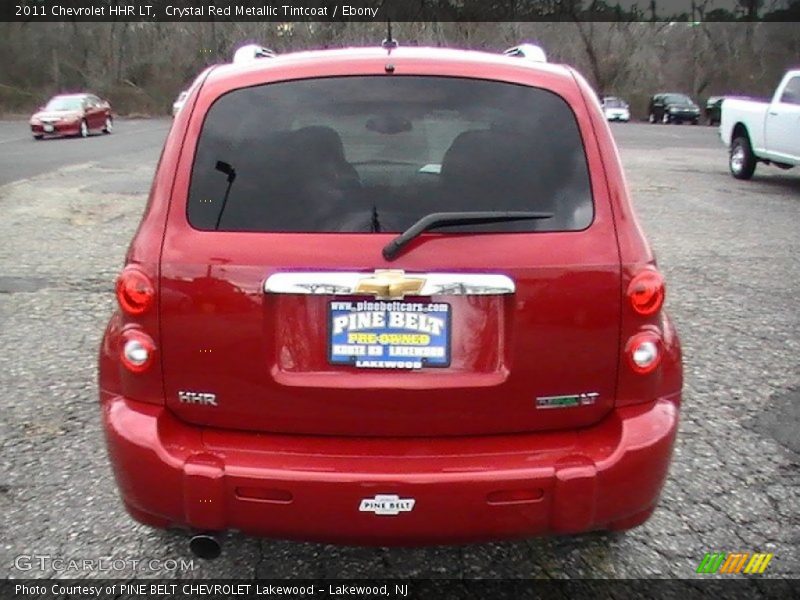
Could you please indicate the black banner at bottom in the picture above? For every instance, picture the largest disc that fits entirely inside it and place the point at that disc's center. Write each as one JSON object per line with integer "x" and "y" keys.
{"x": 234, "y": 589}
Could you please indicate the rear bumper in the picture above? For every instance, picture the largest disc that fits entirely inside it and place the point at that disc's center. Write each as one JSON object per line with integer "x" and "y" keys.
{"x": 59, "y": 129}
{"x": 465, "y": 489}
{"x": 618, "y": 116}
{"x": 681, "y": 117}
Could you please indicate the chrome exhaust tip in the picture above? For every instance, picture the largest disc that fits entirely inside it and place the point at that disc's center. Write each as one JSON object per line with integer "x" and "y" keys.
{"x": 205, "y": 545}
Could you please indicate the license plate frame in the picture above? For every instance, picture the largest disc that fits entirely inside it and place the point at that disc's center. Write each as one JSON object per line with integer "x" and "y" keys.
{"x": 402, "y": 347}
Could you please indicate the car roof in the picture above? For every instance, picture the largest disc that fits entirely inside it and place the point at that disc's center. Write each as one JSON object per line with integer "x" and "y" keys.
{"x": 72, "y": 95}
{"x": 306, "y": 60}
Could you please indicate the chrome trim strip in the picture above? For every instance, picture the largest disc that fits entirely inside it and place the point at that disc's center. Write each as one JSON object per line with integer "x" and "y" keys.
{"x": 340, "y": 283}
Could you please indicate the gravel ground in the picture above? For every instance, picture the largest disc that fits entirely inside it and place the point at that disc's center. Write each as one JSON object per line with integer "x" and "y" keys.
{"x": 732, "y": 264}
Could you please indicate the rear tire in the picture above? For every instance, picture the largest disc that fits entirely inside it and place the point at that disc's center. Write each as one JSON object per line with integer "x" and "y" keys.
{"x": 109, "y": 126}
{"x": 652, "y": 118}
{"x": 665, "y": 118}
{"x": 38, "y": 138}
{"x": 84, "y": 132}
{"x": 742, "y": 161}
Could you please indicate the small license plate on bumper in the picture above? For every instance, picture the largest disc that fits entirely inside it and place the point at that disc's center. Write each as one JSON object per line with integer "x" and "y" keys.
{"x": 48, "y": 128}
{"x": 378, "y": 334}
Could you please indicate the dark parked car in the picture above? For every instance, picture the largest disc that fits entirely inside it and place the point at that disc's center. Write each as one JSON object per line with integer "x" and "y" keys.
{"x": 72, "y": 114}
{"x": 376, "y": 308}
{"x": 673, "y": 108}
{"x": 714, "y": 109}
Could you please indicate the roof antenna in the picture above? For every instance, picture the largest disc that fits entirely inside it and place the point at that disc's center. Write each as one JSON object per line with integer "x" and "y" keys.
{"x": 389, "y": 43}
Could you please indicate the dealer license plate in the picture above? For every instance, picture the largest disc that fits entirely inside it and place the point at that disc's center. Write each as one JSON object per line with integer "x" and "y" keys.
{"x": 388, "y": 334}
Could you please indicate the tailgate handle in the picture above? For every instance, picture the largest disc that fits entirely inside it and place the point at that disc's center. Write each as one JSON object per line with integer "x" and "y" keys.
{"x": 389, "y": 284}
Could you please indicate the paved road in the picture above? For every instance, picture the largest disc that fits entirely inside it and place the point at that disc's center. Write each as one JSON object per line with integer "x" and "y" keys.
{"x": 21, "y": 156}
{"x": 633, "y": 136}
{"x": 729, "y": 249}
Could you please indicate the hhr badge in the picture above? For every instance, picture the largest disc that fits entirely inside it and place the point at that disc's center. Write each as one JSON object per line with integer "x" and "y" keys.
{"x": 203, "y": 398}
{"x": 387, "y": 504}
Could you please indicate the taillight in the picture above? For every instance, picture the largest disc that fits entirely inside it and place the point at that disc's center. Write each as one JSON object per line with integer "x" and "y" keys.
{"x": 135, "y": 291}
{"x": 650, "y": 362}
{"x": 646, "y": 292}
{"x": 137, "y": 350}
{"x": 644, "y": 352}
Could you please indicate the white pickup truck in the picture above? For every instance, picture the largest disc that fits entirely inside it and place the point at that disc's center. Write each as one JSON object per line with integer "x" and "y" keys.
{"x": 763, "y": 132}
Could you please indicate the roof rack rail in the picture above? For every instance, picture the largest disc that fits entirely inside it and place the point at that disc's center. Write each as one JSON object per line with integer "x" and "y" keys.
{"x": 250, "y": 52}
{"x": 528, "y": 51}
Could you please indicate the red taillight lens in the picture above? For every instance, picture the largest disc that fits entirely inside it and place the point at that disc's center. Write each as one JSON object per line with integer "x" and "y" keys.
{"x": 646, "y": 292}
{"x": 136, "y": 350}
{"x": 135, "y": 291}
{"x": 644, "y": 352}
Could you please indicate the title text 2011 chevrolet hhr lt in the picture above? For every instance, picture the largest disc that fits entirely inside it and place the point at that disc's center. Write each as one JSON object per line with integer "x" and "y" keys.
{"x": 390, "y": 298}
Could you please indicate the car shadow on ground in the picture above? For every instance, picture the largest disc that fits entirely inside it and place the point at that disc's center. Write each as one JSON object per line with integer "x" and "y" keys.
{"x": 65, "y": 138}
{"x": 592, "y": 553}
{"x": 790, "y": 180}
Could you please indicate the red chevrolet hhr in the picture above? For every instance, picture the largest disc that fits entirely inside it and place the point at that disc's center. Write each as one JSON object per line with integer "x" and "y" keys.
{"x": 390, "y": 296}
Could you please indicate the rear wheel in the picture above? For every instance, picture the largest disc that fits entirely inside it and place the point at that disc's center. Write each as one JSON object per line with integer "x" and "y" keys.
{"x": 665, "y": 118}
{"x": 652, "y": 118}
{"x": 109, "y": 126}
{"x": 84, "y": 131}
{"x": 742, "y": 161}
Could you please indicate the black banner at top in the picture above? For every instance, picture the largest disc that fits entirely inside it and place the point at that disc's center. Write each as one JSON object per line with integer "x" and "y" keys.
{"x": 396, "y": 10}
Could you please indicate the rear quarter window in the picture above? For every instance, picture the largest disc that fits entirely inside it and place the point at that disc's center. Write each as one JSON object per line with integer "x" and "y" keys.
{"x": 377, "y": 153}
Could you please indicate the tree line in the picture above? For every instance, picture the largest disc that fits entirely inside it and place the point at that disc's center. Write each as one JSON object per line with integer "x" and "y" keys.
{"x": 140, "y": 67}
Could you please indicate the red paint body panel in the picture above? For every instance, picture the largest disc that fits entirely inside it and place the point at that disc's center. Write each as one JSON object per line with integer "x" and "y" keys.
{"x": 293, "y": 436}
{"x": 587, "y": 479}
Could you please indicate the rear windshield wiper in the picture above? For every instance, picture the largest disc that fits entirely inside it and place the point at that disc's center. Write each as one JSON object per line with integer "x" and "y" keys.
{"x": 444, "y": 219}
{"x": 227, "y": 169}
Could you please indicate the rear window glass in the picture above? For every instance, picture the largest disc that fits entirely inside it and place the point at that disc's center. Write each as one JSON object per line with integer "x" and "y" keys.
{"x": 377, "y": 153}
{"x": 677, "y": 99}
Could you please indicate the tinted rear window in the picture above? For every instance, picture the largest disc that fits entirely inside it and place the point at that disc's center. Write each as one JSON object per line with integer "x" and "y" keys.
{"x": 677, "y": 99}
{"x": 377, "y": 153}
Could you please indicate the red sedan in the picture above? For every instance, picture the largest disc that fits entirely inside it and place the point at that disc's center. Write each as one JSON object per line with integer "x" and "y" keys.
{"x": 390, "y": 296}
{"x": 72, "y": 115}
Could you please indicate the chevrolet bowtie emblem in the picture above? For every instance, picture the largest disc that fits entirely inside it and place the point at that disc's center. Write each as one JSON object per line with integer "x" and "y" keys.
{"x": 390, "y": 284}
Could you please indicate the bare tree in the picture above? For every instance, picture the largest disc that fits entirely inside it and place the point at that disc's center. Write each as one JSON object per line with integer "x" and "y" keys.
{"x": 142, "y": 66}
